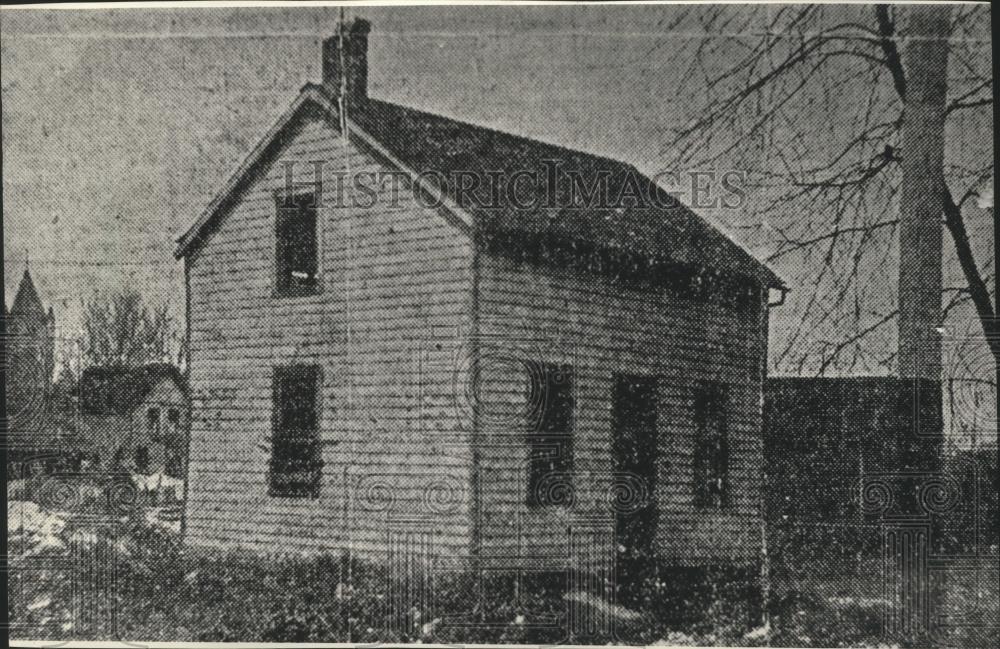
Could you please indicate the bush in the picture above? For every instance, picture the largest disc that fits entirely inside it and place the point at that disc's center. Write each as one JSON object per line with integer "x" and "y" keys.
{"x": 169, "y": 593}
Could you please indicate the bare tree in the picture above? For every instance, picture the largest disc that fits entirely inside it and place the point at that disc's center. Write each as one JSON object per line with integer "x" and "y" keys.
{"x": 121, "y": 329}
{"x": 925, "y": 100}
{"x": 811, "y": 99}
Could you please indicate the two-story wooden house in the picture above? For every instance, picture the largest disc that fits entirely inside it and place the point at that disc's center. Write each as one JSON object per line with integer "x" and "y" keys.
{"x": 404, "y": 327}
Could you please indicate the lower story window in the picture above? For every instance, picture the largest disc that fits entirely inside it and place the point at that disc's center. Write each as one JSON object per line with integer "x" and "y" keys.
{"x": 296, "y": 461}
{"x": 550, "y": 434}
{"x": 142, "y": 460}
{"x": 711, "y": 450}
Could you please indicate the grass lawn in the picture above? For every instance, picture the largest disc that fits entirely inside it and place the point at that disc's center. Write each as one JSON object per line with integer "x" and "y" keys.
{"x": 137, "y": 583}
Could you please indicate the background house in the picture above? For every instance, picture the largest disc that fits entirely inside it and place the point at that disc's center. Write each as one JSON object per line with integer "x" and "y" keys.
{"x": 418, "y": 373}
{"x": 134, "y": 419}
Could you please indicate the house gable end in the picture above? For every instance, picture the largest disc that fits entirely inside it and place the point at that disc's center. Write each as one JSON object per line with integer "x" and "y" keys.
{"x": 309, "y": 104}
{"x": 312, "y": 102}
{"x": 165, "y": 391}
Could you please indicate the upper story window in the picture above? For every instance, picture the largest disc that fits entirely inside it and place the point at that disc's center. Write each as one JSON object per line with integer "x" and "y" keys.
{"x": 153, "y": 423}
{"x": 711, "y": 446}
{"x": 297, "y": 249}
{"x": 550, "y": 434}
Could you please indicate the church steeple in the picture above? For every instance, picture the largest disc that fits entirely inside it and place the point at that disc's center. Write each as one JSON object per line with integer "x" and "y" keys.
{"x": 30, "y": 350}
{"x": 27, "y": 304}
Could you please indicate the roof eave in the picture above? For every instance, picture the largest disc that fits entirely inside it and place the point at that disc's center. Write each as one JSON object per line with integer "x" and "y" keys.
{"x": 313, "y": 93}
{"x": 310, "y": 93}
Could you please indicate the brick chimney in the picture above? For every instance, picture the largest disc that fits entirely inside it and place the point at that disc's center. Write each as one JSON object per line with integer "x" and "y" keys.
{"x": 355, "y": 60}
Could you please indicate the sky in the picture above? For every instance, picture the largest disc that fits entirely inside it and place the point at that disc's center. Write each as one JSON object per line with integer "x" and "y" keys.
{"x": 120, "y": 125}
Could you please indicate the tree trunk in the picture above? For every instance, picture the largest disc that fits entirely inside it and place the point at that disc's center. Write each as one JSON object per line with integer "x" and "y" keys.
{"x": 921, "y": 233}
{"x": 921, "y": 238}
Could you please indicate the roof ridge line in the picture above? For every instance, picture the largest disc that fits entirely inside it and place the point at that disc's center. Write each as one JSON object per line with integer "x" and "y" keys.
{"x": 462, "y": 122}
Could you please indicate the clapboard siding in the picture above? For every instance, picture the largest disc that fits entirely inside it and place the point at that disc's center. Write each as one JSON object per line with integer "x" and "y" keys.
{"x": 393, "y": 279}
{"x": 601, "y": 327}
{"x": 408, "y": 312}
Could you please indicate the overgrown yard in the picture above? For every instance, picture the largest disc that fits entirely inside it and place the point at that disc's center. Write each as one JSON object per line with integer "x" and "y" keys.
{"x": 75, "y": 576}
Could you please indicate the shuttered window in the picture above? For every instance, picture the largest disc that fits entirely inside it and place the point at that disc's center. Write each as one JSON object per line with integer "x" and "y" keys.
{"x": 711, "y": 451}
{"x": 550, "y": 434}
{"x": 296, "y": 461}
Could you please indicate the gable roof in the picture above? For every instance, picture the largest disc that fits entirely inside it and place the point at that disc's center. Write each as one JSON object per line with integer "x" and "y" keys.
{"x": 422, "y": 142}
{"x": 117, "y": 390}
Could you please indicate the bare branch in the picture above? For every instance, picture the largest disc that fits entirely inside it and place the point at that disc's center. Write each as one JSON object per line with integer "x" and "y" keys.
{"x": 887, "y": 32}
{"x": 806, "y": 243}
{"x": 959, "y": 105}
{"x": 120, "y": 329}
{"x": 977, "y": 285}
{"x": 840, "y": 347}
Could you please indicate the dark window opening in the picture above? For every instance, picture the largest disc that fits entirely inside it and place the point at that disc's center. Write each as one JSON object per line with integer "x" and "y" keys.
{"x": 296, "y": 460}
{"x": 142, "y": 460}
{"x": 153, "y": 423}
{"x": 550, "y": 434}
{"x": 297, "y": 252}
{"x": 634, "y": 452}
{"x": 173, "y": 416}
{"x": 711, "y": 451}
{"x": 174, "y": 464}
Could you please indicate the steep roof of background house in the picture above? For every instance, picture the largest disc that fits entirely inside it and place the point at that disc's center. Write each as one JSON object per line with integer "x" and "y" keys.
{"x": 117, "y": 390}
{"x": 27, "y": 302}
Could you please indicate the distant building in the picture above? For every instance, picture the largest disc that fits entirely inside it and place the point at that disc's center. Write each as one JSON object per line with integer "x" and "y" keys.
{"x": 833, "y": 447}
{"x": 134, "y": 419}
{"x": 29, "y": 364}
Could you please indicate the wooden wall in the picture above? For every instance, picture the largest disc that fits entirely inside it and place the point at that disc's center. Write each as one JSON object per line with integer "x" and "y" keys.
{"x": 164, "y": 396}
{"x": 601, "y": 327}
{"x": 386, "y": 329}
{"x": 402, "y": 323}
